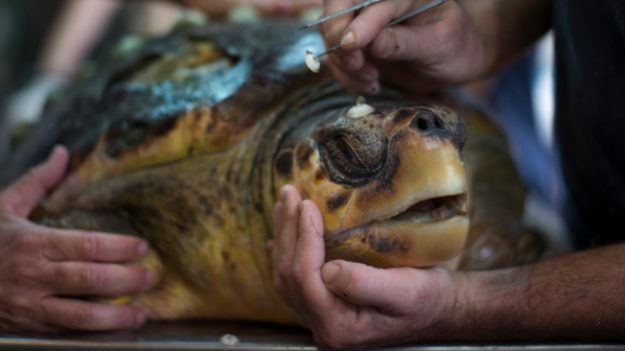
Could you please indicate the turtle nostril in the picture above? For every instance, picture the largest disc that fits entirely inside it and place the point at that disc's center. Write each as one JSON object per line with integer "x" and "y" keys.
{"x": 422, "y": 124}
{"x": 426, "y": 121}
{"x": 438, "y": 123}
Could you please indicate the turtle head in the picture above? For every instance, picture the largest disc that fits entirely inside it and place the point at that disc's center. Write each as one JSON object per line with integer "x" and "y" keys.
{"x": 388, "y": 179}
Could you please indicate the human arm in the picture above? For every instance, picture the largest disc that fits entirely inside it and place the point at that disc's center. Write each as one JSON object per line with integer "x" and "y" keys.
{"x": 455, "y": 43}
{"x": 348, "y": 304}
{"x": 72, "y": 36}
{"x": 42, "y": 268}
{"x": 576, "y": 296}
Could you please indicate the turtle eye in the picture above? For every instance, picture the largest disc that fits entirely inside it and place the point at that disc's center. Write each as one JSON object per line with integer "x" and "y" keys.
{"x": 352, "y": 159}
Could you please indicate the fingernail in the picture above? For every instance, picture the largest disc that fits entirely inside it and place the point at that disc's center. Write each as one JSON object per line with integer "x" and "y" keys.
{"x": 283, "y": 192}
{"x": 142, "y": 249}
{"x": 54, "y": 151}
{"x": 348, "y": 39}
{"x": 329, "y": 272}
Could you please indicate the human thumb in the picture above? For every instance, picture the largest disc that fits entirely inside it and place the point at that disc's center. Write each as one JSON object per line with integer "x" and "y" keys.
{"x": 364, "y": 285}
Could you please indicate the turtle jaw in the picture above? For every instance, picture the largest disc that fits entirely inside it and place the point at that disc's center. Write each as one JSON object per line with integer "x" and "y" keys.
{"x": 425, "y": 233}
{"x": 431, "y": 210}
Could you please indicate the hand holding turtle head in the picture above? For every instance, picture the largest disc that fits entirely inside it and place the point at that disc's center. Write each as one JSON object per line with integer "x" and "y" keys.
{"x": 347, "y": 304}
{"x": 43, "y": 268}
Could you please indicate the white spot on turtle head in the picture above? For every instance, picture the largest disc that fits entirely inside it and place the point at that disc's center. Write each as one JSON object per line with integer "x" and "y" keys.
{"x": 361, "y": 109}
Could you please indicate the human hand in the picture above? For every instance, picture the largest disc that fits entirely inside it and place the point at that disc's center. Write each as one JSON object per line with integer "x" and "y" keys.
{"x": 438, "y": 47}
{"x": 42, "y": 268}
{"x": 349, "y": 304}
{"x": 266, "y": 7}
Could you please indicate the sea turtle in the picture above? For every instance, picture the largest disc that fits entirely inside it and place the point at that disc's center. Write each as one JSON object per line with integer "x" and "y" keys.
{"x": 187, "y": 141}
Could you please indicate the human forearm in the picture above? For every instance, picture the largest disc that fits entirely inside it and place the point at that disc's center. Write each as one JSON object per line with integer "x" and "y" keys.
{"x": 75, "y": 33}
{"x": 576, "y": 296}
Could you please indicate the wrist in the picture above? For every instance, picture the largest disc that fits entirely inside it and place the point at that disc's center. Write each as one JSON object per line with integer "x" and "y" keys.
{"x": 489, "y": 304}
{"x": 454, "y": 318}
{"x": 459, "y": 317}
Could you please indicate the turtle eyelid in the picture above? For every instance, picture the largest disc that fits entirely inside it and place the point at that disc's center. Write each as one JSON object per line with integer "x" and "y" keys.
{"x": 348, "y": 150}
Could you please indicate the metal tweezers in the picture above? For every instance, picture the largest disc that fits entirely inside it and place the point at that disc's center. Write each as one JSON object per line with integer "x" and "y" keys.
{"x": 419, "y": 10}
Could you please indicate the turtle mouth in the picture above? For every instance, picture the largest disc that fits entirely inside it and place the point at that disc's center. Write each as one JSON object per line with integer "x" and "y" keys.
{"x": 420, "y": 234}
{"x": 428, "y": 211}
{"x": 431, "y": 210}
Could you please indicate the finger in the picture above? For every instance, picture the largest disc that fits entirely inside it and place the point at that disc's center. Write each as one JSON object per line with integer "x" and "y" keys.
{"x": 407, "y": 79}
{"x": 401, "y": 44}
{"x": 278, "y": 218}
{"x": 366, "y": 26}
{"x": 274, "y": 255}
{"x": 24, "y": 195}
{"x": 363, "y": 285}
{"x": 310, "y": 256}
{"x": 364, "y": 81}
{"x": 66, "y": 245}
{"x": 424, "y": 37}
{"x": 84, "y": 279}
{"x": 289, "y": 216}
{"x": 89, "y": 316}
{"x": 353, "y": 65}
{"x": 352, "y": 60}
{"x": 333, "y": 30}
